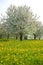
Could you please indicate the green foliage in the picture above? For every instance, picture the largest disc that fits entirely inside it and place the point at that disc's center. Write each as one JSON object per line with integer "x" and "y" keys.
{"x": 27, "y": 52}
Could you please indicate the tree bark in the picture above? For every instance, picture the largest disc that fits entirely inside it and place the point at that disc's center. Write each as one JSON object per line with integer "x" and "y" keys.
{"x": 21, "y": 35}
{"x": 8, "y": 36}
{"x": 34, "y": 36}
{"x": 0, "y": 36}
{"x": 39, "y": 38}
{"x": 16, "y": 37}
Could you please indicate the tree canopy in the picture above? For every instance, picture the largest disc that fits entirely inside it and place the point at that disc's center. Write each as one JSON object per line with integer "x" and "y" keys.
{"x": 21, "y": 20}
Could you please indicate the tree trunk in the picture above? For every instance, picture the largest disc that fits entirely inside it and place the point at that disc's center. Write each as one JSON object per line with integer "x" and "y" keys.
{"x": 16, "y": 37}
{"x": 21, "y": 36}
{"x": 34, "y": 36}
{"x": 0, "y": 36}
{"x": 8, "y": 36}
{"x": 39, "y": 38}
{"x": 25, "y": 37}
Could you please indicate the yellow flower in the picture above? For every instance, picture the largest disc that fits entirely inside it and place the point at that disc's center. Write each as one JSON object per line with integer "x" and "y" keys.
{"x": 8, "y": 54}
{"x": 15, "y": 59}
{"x": 1, "y": 61}
{"x": 2, "y": 48}
{"x": 17, "y": 63}
{"x": 23, "y": 63}
{"x": 20, "y": 61}
{"x": 7, "y": 58}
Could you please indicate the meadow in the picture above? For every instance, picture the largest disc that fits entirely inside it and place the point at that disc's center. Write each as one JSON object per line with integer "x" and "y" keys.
{"x": 16, "y": 52}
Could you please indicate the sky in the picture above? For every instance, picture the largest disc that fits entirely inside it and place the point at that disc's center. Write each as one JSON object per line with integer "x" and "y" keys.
{"x": 36, "y": 6}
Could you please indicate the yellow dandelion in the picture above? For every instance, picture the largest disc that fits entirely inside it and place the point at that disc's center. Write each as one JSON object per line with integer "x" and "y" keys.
{"x": 7, "y": 59}
{"x": 26, "y": 55}
{"x": 23, "y": 63}
{"x": 8, "y": 54}
{"x": 1, "y": 61}
{"x": 15, "y": 59}
{"x": 17, "y": 63}
{"x": 2, "y": 48}
{"x": 20, "y": 61}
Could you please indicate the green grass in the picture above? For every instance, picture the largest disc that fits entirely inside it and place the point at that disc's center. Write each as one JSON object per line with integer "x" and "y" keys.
{"x": 26, "y": 52}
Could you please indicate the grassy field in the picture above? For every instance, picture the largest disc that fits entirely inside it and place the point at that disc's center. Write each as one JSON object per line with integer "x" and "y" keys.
{"x": 26, "y": 52}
